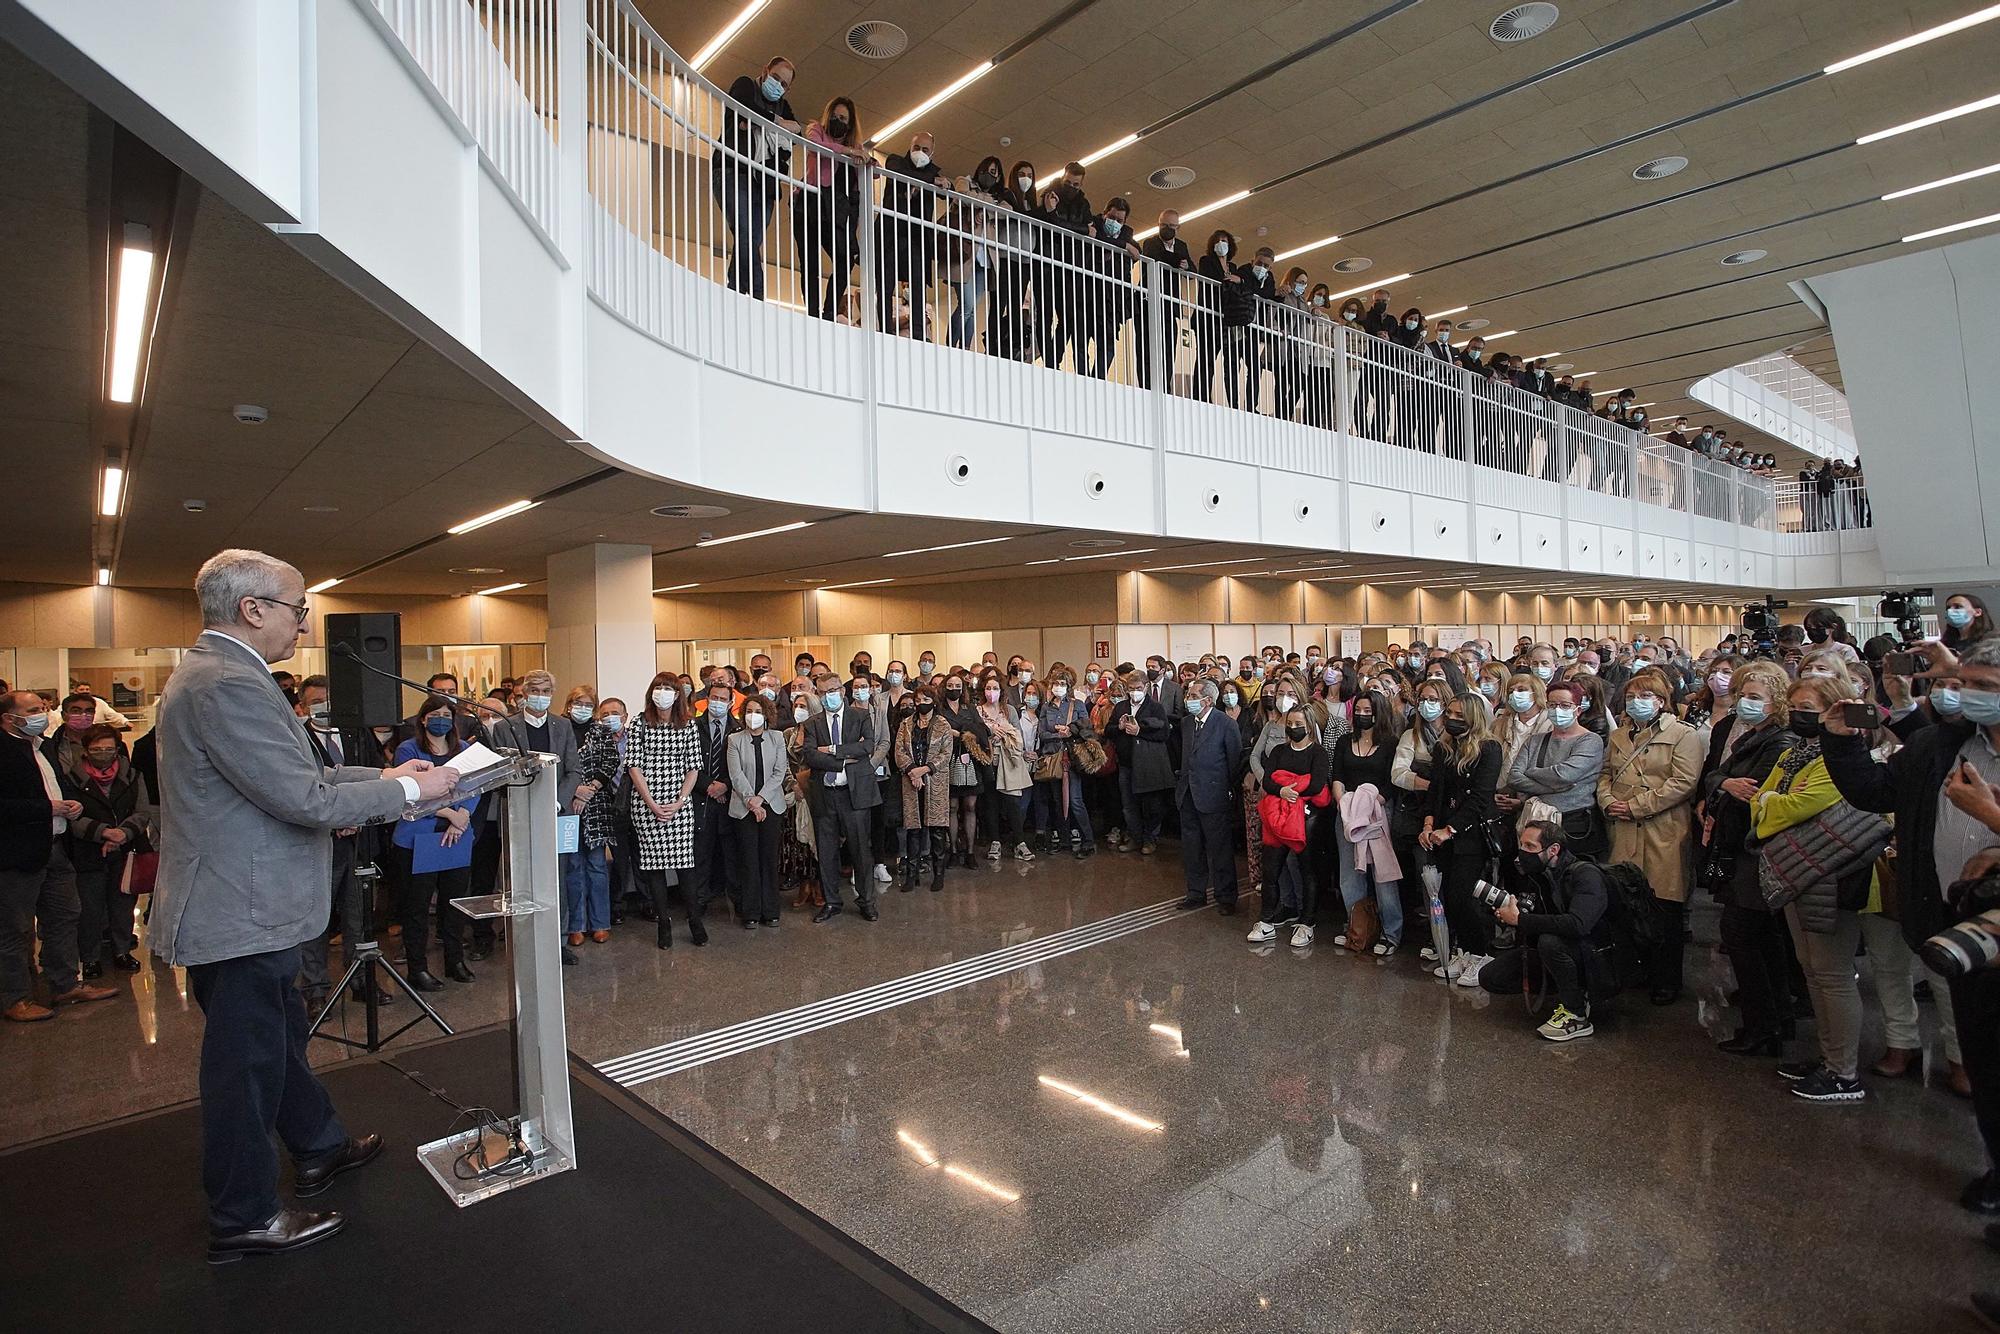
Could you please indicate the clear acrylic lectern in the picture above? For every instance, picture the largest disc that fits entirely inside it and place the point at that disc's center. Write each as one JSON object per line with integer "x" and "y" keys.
{"x": 540, "y": 1139}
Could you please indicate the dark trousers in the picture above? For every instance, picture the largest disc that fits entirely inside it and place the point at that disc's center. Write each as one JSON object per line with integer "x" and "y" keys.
{"x": 1142, "y": 809}
{"x": 1286, "y": 891}
{"x": 1569, "y": 966}
{"x": 419, "y": 891}
{"x": 920, "y": 843}
{"x": 757, "y": 865}
{"x": 1000, "y": 812}
{"x": 824, "y": 222}
{"x": 1208, "y": 852}
{"x": 104, "y": 914}
{"x": 1754, "y": 940}
{"x": 485, "y": 878}
{"x": 746, "y": 199}
{"x": 1146, "y": 336}
{"x": 1471, "y": 927}
{"x": 1975, "y": 1007}
{"x": 834, "y": 817}
{"x": 659, "y": 892}
{"x": 41, "y": 900}
{"x": 255, "y": 1079}
{"x": 716, "y": 870}
{"x": 1663, "y": 968}
{"x": 345, "y": 915}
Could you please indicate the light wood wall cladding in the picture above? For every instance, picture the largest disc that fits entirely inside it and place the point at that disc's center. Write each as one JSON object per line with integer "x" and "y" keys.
{"x": 47, "y": 616}
{"x": 57, "y": 616}
{"x": 1180, "y": 598}
{"x": 739, "y": 616}
{"x": 1336, "y": 603}
{"x": 1392, "y": 607}
{"x": 1266, "y": 600}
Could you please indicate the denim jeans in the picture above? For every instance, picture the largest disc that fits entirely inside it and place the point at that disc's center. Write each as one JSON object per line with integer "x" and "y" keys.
{"x": 746, "y": 202}
{"x": 1355, "y": 883}
{"x": 965, "y": 320}
{"x": 586, "y": 890}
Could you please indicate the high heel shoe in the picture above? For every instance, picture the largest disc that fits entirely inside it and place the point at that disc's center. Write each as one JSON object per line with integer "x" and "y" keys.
{"x": 1748, "y": 1043}
{"x": 666, "y": 938}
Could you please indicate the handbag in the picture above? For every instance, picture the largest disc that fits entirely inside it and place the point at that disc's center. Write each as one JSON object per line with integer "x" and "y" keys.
{"x": 1091, "y": 756}
{"x": 142, "y": 870}
{"x": 1364, "y": 925}
{"x": 963, "y": 772}
{"x": 1049, "y": 767}
{"x": 1833, "y": 845}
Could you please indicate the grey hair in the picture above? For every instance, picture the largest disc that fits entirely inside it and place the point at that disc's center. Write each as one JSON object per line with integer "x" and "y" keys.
{"x": 1984, "y": 653}
{"x": 1205, "y": 688}
{"x": 228, "y": 577}
{"x": 538, "y": 674}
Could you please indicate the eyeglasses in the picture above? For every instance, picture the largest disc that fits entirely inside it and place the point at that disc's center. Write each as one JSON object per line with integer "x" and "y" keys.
{"x": 299, "y": 609}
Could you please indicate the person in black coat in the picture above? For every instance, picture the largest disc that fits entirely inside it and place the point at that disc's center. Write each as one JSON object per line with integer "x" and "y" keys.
{"x": 1166, "y": 249}
{"x": 1744, "y": 748}
{"x": 1139, "y": 728}
{"x": 1465, "y": 772}
{"x": 1226, "y": 313}
{"x": 747, "y": 165}
{"x": 109, "y": 829}
{"x": 1290, "y": 895}
{"x": 906, "y": 244}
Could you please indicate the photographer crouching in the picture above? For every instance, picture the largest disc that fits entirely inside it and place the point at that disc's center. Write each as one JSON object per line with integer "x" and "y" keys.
{"x": 1563, "y": 917}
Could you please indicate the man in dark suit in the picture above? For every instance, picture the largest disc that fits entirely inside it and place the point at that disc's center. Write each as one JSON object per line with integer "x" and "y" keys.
{"x": 839, "y": 748}
{"x": 1162, "y": 686}
{"x": 715, "y": 843}
{"x": 1211, "y": 748}
{"x": 245, "y": 868}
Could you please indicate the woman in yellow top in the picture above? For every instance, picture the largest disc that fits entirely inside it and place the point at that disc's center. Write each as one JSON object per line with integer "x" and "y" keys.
{"x": 1827, "y": 920}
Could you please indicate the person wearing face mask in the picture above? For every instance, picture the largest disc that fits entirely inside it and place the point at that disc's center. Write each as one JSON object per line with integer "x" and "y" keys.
{"x": 435, "y": 856}
{"x": 757, "y": 804}
{"x": 111, "y": 826}
{"x": 1361, "y": 773}
{"x": 1284, "y": 328}
{"x": 1013, "y": 272}
{"x": 1743, "y": 749}
{"x": 1139, "y": 729}
{"x": 1558, "y": 773}
{"x": 749, "y": 163}
{"x": 1460, "y": 828}
{"x": 1064, "y": 721}
{"x": 969, "y": 775}
{"x": 345, "y": 915}
{"x": 1061, "y": 277}
{"x": 1211, "y": 751}
{"x": 1295, "y": 775}
{"x": 607, "y": 820}
{"x": 587, "y": 896}
{"x": 826, "y": 211}
{"x": 1263, "y": 728}
{"x": 841, "y": 749}
{"x": 1317, "y": 357}
{"x": 905, "y": 247}
{"x": 1106, "y": 292}
{"x": 538, "y": 728}
{"x": 1712, "y": 694}
{"x": 662, "y": 764}
{"x": 1223, "y": 324}
{"x": 1563, "y": 935}
{"x": 968, "y": 247}
{"x": 923, "y": 749}
{"x": 1646, "y": 791}
{"x": 1011, "y": 732}
{"x": 1966, "y": 622}
{"x": 1160, "y": 328}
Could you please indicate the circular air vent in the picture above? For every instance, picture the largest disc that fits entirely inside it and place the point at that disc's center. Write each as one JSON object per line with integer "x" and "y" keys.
{"x": 1524, "y": 21}
{"x": 1356, "y": 264}
{"x": 1099, "y": 543}
{"x": 690, "y": 511}
{"x": 1660, "y": 168}
{"x": 1473, "y": 326}
{"x": 1744, "y": 256}
{"x": 1171, "y": 178}
{"x": 876, "y": 39}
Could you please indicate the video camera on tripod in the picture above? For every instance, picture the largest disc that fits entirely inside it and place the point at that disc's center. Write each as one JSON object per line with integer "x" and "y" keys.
{"x": 1907, "y": 611}
{"x": 1760, "y": 627}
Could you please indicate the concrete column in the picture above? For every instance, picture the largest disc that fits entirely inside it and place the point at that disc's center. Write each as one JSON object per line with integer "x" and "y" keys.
{"x": 601, "y": 619}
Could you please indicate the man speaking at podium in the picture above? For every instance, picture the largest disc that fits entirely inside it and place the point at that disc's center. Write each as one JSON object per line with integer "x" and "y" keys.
{"x": 245, "y": 863}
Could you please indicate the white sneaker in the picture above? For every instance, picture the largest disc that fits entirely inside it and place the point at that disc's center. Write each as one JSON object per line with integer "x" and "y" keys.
{"x": 882, "y": 876}
{"x": 1340, "y": 940}
{"x": 1302, "y": 936}
{"x": 1427, "y": 954}
{"x": 1262, "y": 932}
{"x": 1023, "y": 853}
{"x": 1468, "y": 971}
{"x": 1382, "y": 949}
{"x": 993, "y": 852}
{"x": 1448, "y": 970}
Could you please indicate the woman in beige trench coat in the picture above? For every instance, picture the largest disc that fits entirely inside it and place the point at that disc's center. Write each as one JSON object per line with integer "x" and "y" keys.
{"x": 1652, "y": 762}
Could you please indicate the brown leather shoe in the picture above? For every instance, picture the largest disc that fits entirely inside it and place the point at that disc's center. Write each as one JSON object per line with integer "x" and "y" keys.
{"x": 600, "y": 936}
{"x": 1899, "y": 1061}
{"x": 310, "y": 1181}
{"x": 77, "y": 995}
{"x": 25, "y": 1011}
{"x": 575, "y": 939}
{"x": 288, "y": 1230}
{"x": 1958, "y": 1081}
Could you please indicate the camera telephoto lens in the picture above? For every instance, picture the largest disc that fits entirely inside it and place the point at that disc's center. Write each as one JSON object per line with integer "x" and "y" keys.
{"x": 1489, "y": 894}
{"x": 1964, "y": 948}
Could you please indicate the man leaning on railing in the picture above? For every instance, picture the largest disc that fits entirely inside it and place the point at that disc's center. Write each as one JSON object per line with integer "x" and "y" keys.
{"x": 747, "y": 166}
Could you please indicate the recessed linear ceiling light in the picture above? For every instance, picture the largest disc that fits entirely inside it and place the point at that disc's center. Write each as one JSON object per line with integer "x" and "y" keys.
{"x": 761, "y": 532}
{"x": 1048, "y": 560}
{"x": 104, "y": 576}
{"x": 1087, "y": 159}
{"x": 1311, "y": 246}
{"x": 128, "y": 320}
{"x": 494, "y": 516}
{"x": 952, "y": 89}
{"x": 1190, "y": 215}
{"x": 1455, "y": 310}
{"x": 1945, "y": 29}
{"x": 1504, "y": 333}
{"x": 1203, "y": 564}
{"x": 858, "y": 583}
{"x": 500, "y": 588}
{"x": 1100, "y": 555}
{"x": 1369, "y": 287}
{"x": 676, "y": 588}
{"x": 1940, "y": 184}
{"x": 323, "y": 585}
{"x": 1936, "y": 118}
{"x": 112, "y": 491}
{"x": 948, "y": 546}
{"x": 729, "y": 31}
{"x": 1955, "y": 227}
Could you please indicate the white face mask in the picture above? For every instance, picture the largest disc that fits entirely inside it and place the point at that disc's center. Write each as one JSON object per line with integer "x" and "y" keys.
{"x": 1222, "y": 249}
{"x": 754, "y": 721}
{"x": 919, "y": 158}
{"x": 1059, "y": 690}
{"x": 1136, "y": 696}
{"x": 1025, "y": 183}
{"x": 664, "y": 698}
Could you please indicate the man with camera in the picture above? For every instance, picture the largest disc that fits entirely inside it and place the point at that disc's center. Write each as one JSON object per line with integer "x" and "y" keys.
{"x": 1938, "y": 787}
{"x": 1563, "y": 917}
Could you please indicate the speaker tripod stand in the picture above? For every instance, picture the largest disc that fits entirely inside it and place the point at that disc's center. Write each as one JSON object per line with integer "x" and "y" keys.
{"x": 367, "y": 960}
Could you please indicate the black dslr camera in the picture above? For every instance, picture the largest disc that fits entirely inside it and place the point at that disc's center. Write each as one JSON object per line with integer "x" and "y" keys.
{"x": 1492, "y": 896}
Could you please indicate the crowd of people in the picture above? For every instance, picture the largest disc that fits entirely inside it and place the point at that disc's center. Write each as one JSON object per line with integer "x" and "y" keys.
{"x": 1005, "y": 260}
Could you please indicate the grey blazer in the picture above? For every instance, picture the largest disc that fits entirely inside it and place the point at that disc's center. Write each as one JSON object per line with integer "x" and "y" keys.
{"x": 246, "y": 810}
{"x": 512, "y": 732}
{"x": 743, "y": 771}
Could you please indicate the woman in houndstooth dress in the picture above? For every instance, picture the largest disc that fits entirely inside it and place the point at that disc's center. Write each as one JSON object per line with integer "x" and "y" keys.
{"x": 663, "y": 753}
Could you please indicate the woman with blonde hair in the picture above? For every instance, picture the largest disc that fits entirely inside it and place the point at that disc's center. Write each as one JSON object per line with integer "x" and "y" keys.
{"x": 1646, "y": 791}
{"x": 1283, "y": 694}
{"x": 1013, "y": 773}
{"x": 1521, "y": 714}
{"x": 1465, "y": 771}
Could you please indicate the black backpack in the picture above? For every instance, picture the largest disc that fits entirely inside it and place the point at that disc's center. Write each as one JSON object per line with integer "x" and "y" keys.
{"x": 1633, "y": 905}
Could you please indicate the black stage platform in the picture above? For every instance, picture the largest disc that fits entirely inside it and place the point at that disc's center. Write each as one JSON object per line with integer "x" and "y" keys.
{"x": 656, "y": 1230}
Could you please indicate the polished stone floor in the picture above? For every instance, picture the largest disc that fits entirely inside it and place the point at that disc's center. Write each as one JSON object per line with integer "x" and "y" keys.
{"x": 1175, "y": 1130}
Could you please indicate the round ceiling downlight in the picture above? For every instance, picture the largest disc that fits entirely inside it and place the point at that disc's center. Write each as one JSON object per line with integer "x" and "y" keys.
{"x": 690, "y": 511}
{"x": 877, "y": 39}
{"x": 1524, "y": 21}
{"x": 1660, "y": 168}
{"x": 1171, "y": 178}
{"x": 1744, "y": 256}
{"x": 1356, "y": 264}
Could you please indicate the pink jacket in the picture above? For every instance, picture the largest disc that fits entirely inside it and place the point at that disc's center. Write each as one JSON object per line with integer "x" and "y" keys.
{"x": 1364, "y": 818}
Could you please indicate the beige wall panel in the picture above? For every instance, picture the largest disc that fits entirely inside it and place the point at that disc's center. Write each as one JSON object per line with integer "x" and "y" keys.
{"x": 1395, "y": 608}
{"x": 1335, "y": 604}
{"x": 66, "y": 618}
{"x": 514, "y": 621}
{"x": 1180, "y": 598}
{"x": 1255, "y": 600}
{"x": 154, "y": 617}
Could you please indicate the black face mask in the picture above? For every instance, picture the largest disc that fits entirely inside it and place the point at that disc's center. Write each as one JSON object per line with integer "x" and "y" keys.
{"x": 1363, "y": 721}
{"x": 1817, "y": 636}
{"x": 924, "y": 709}
{"x": 1806, "y": 724}
{"x": 953, "y": 693}
{"x": 837, "y": 127}
{"x": 1168, "y": 233}
{"x": 1297, "y": 733}
{"x": 1457, "y": 726}
{"x": 1530, "y": 863}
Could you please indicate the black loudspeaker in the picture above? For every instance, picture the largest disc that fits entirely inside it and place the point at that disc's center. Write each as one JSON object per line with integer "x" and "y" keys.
{"x": 356, "y": 697}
